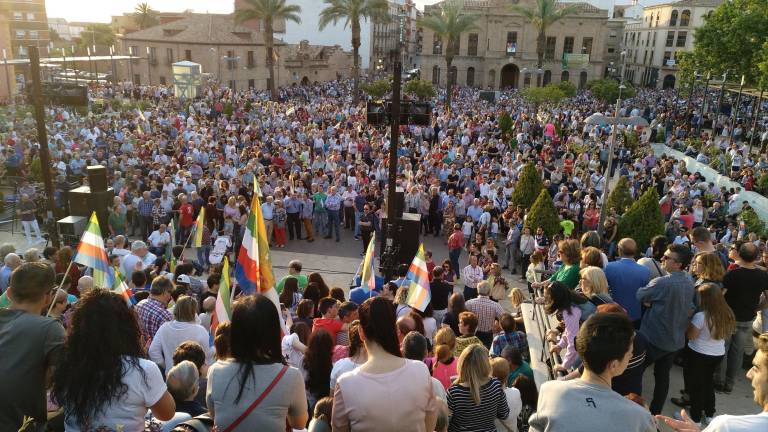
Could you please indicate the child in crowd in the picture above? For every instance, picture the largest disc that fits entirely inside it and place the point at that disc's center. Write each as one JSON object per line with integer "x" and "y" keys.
{"x": 500, "y": 371}
{"x": 467, "y": 328}
{"x": 444, "y": 363}
{"x": 467, "y": 228}
{"x": 508, "y": 337}
{"x": 535, "y": 269}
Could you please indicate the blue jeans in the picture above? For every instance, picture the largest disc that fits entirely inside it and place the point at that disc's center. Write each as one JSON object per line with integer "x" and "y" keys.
{"x": 202, "y": 256}
{"x": 453, "y": 255}
{"x": 357, "y": 223}
{"x": 320, "y": 222}
{"x": 334, "y": 222}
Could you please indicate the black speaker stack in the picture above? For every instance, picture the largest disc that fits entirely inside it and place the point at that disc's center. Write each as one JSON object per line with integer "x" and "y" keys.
{"x": 96, "y": 197}
{"x": 407, "y": 229}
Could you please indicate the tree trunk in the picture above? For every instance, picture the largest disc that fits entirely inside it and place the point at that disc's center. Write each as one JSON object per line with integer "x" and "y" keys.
{"x": 449, "y": 82}
{"x": 356, "y": 60}
{"x": 269, "y": 42}
{"x": 541, "y": 42}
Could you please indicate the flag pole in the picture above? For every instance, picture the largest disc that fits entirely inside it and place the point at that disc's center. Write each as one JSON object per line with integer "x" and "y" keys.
{"x": 53, "y": 301}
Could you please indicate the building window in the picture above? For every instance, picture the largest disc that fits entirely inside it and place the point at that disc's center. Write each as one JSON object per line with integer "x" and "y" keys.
{"x": 645, "y": 57}
{"x": 30, "y": 16}
{"x": 188, "y": 55}
{"x": 169, "y": 55}
{"x": 152, "y": 55}
{"x": 436, "y": 75}
{"x": 547, "y": 77}
{"x": 162, "y": 80}
{"x": 18, "y": 16}
{"x": 251, "y": 83}
{"x": 470, "y": 77}
{"x": 23, "y": 51}
{"x": 673, "y": 19}
{"x": 251, "y": 60}
{"x": 685, "y": 18}
{"x": 455, "y": 45}
{"x": 586, "y": 45}
{"x": 230, "y": 60}
{"x": 568, "y": 45}
{"x": 670, "y": 38}
{"x": 653, "y": 41}
{"x": 472, "y": 44}
{"x": 667, "y": 57}
{"x": 611, "y": 50}
{"x": 20, "y": 34}
{"x": 657, "y": 19}
{"x": 232, "y": 84}
{"x": 137, "y": 79}
{"x": 511, "y": 43}
{"x": 681, "y": 37}
{"x": 437, "y": 45}
{"x": 549, "y": 51}
{"x": 33, "y": 34}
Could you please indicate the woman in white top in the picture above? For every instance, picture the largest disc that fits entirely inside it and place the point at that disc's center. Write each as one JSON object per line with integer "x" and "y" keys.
{"x": 707, "y": 332}
{"x": 184, "y": 327}
{"x": 102, "y": 379}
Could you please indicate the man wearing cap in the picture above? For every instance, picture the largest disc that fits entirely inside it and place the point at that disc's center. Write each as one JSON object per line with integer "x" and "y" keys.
{"x": 139, "y": 259}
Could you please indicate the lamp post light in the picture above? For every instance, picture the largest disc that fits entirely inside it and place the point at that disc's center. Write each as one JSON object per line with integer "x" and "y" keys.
{"x": 90, "y": 63}
{"x": 736, "y": 112}
{"x": 606, "y": 175}
{"x": 757, "y": 115}
{"x": 704, "y": 107}
{"x": 149, "y": 68}
{"x": 722, "y": 92}
{"x": 232, "y": 65}
{"x": 7, "y": 76}
{"x": 692, "y": 93}
{"x": 74, "y": 63}
{"x": 112, "y": 64}
{"x": 96, "y": 65}
{"x": 539, "y": 77}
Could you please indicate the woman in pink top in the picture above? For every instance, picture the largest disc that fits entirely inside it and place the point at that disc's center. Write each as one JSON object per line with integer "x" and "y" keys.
{"x": 443, "y": 364}
{"x": 387, "y": 392}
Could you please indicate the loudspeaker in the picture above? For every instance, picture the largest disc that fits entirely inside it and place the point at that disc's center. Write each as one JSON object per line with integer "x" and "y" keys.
{"x": 421, "y": 113}
{"x": 399, "y": 202}
{"x": 405, "y": 111}
{"x": 97, "y": 178}
{"x": 375, "y": 114}
{"x": 72, "y": 226}
{"x": 82, "y": 202}
{"x": 488, "y": 96}
{"x": 407, "y": 230}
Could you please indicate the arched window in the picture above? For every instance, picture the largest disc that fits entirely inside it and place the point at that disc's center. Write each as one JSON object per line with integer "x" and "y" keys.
{"x": 582, "y": 79}
{"x": 454, "y": 75}
{"x": 547, "y": 77}
{"x": 491, "y": 79}
{"x": 436, "y": 75}
{"x": 673, "y": 19}
{"x": 471, "y": 77}
{"x": 685, "y": 18}
{"x": 564, "y": 76}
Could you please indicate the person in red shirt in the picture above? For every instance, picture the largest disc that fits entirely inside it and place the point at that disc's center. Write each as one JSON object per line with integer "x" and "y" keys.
{"x": 455, "y": 245}
{"x": 186, "y": 219}
{"x": 329, "y": 309}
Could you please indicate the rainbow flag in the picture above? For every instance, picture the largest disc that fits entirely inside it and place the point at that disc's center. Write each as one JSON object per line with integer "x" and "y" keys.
{"x": 419, "y": 295}
{"x": 253, "y": 270}
{"x": 120, "y": 287}
{"x": 223, "y": 311}
{"x": 368, "y": 278}
{"x": 91, "y": 253}
{"x": 198, "y": 241}
{"x": 169, "y": 258}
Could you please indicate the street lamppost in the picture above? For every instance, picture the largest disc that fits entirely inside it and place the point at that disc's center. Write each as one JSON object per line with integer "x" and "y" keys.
{"x": 704, "y": 106}
{"x": 757, "y": 115}
{"x": 149, "y": 67}
{"x": 720, "y": 97}
{"x": 112, "y": 64}
{"x": 524, "y": 72}
{"x": 90, "y": 63}
{"x": 232, "y": 65}
{"x": 736, "y": 111}
{"x": 96, "y": 65}
{"x": 7, "y": 76}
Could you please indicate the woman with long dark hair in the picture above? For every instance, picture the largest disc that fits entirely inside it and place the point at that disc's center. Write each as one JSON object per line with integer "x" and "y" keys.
{"x": 255, "y": 367}
{"x": 103, "y": 378}
{"x": 383, "y": 375}
{"x": 312, "y": 292}
{"x": 456, "y": 306}
{"x": 317, "y": 366}
{"x": 560, "y": 300}
{"x": 323, "y": 287}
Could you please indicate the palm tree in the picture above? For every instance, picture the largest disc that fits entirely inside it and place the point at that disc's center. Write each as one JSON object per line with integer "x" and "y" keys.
{"x": 449, "y": 24}
{"x": 542, "y": 15}
{"x": 351, "y": 11}
{"x": 269, "y": 11}
{"x": 144, "y": 16}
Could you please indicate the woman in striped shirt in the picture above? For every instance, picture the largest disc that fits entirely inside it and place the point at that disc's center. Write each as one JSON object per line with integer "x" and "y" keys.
{"x": 476, "y": 399}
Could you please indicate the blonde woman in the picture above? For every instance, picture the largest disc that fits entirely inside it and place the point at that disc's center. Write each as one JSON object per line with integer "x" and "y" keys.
{"x": 476, "y": 399}
{"x": 401, "y": 302}
{"x": 594, "y": 287}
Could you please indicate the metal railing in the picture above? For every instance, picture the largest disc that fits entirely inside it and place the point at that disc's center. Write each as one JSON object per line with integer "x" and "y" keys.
{"x": 537, "y": 324}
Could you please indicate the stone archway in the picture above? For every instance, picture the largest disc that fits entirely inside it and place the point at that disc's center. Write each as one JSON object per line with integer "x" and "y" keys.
{"x": 305, "y": 81}
{"x": 510, "y": 75}
{"x": 669, "y": 82}
{"x": 492, "y": 79}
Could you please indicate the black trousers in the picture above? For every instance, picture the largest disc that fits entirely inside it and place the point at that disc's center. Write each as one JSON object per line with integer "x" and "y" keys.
{"x": 349, "y": 217}
{"x": 366, "y": 238}
{"x": 294, "y": 225}
{"x": 699, "y": 372}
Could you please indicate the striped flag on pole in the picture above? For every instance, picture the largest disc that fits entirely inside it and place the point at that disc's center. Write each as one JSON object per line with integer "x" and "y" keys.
{"x": 169, "y": 258}
{"x": 254, "y": 265}
{"x": 91, "y": 253}
{"x": 120, "y": 287}
{"x": 223, "y": 311}
{"x": 198, "y": 241}
{"x": 419, "y": 294}
{"x": 368, "y": 278}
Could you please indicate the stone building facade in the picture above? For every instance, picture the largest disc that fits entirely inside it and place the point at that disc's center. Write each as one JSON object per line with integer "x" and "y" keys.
{"x": 501, "y": 52}
{"x": 307, "y": 63}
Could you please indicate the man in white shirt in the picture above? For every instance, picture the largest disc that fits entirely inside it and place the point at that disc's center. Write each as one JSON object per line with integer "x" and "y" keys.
{"x": 758, "y": 376}
{"x": 159, "y": 239}
{"x": 471, "y": 275}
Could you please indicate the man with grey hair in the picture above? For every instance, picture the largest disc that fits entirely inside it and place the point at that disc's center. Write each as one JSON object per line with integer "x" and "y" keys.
{"x": 294, "y": 271}
{"x": 139, "y": 259}
{"x": 182, "y": 384}
{"x": 11, "y": 262}
{"x": 487, "y": 312}
{"x": 26, "y": 212}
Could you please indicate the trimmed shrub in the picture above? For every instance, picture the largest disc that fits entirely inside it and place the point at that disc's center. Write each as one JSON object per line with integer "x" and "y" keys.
{"x": 528, "y": 187}
{"x": 752, "y": 222}
{"x": 643, "y": 220}
{"x": 620, "y": 198}
{"x": 543, "y": 214}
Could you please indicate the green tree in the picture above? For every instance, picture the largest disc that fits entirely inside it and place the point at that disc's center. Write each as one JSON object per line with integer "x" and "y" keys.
{"x": 541, "y": 95}
{"x": 269, "y": 11}
{"x": 752, "y": 222}
{"x": 54, "y": 35}
{"x": 568, "y": 88}
{"x": 351, "y": 12}
{"x": 448, "y": 25}
{"x": 421, "y": 89}
{"x": 732, "y": 37}
{"x": 145, "y": 16}
{"x": 542, "y": 15}
{"x": 620, "y": 197}
{"x": 97, "y": 34}
{"x": 506, "y": 124}
{"x": 377, "y": 89}
{"x": 543, "y": 214}
{"x": 528, "y": 187}
{"x": 607, "y": 90}
{"x": 643, "y": 220}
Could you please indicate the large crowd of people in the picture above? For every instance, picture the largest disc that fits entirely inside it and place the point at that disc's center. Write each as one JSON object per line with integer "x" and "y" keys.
{"x": 82, "y": 358}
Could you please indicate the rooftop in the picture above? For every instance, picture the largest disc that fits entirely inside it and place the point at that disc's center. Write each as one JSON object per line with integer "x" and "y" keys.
{"x": 207, "y": 29}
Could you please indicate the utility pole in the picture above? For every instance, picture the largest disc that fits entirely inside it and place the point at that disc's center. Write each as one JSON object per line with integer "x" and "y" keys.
{"x": 42, "y": 137}
{"x": 735, "y": 111}
{"x": 389, "y": 255}
{"x": 704, "y": 104}
{"x": 720, "y": 100}
{"x": 754, "y": 121}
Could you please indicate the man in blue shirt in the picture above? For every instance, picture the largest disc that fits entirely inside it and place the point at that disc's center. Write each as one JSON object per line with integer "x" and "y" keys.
{"x": 11, "y": 261}
{"x": 293, "y": 207}
{"x": 670, "y": 304}
{"x": 267, "y": 211}
{"x": 333, "y": 207}
{"x": 625, "y": 277}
